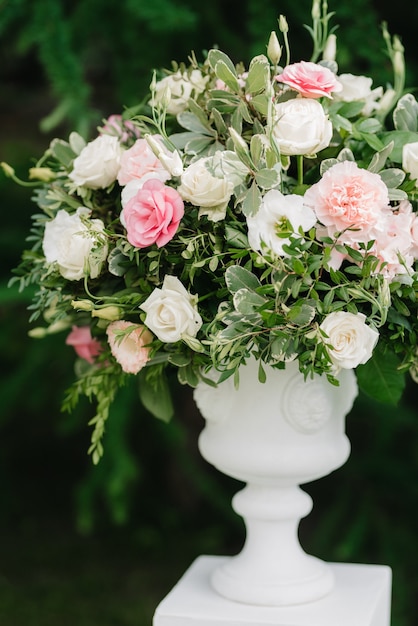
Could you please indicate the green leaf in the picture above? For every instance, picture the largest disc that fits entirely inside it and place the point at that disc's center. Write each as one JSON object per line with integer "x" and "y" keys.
{"x": 62, "y": 152}
{"x": 302, "y": 313}
{"x": 252, "y": 200}
{"x": 379, "y": 159}
{"x": 267, "y": 178}
{"x": 247, "y": 301}
{"x": 351, "y": 109}
{"x": 214, "y": 56}
{"x": 260, "y": 103}
{"x": 237, "y": 277}
{"x": 236, "y": 238}
{"x": 191, "y": 122}
{"x": 258, "y": 74}
{"x": 224, "y": 73}
{"x": 380, "y": 379}
{"x": 156, "y": 398}
{"x": 399, "y": 138}
{"x": 392, "y": 177}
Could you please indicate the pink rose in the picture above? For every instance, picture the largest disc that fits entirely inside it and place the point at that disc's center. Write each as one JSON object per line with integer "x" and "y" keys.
{"x": 129, "y": 349}
{"x": 83, "y": 343}
{"x": 152, "y": 215}
{"x": 311, "y": 80}
{"x": 138, "y": 161}
{"x": 348, "y": 197}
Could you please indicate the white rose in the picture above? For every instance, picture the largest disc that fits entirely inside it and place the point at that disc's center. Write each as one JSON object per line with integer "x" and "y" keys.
{"x": 74, "y": 244}
{"x": 350, "y": 341}
{"x": 410, "y": 160}
{"x": 177, "y": 88}
{"x": 274, "y": 213}
{"x": 204, "y": 190}
{"x": 301, "y": 127}
{"x": 359, "y": 88}
{"x": 172, "y": 312}
{"x": 97, "y": 165}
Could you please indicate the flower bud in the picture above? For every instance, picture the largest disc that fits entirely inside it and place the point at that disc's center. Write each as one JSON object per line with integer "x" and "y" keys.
{"x": 283, "y": 25}
{"x": 58, "y": 326}
{"x": 110, "y": 313}
{"x": 44, "y": 174}
{"x": 316, "y": 10}
{"x": 38, "y": 332}
{"x": 7, "y": 169}
{"x": 330, "y": 50}
{"x": 274, "y": 49}
{"x": 82, "y": 305}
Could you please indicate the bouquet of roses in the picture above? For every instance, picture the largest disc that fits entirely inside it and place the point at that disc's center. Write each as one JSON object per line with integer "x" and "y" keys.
{"x": 267, "y": 210}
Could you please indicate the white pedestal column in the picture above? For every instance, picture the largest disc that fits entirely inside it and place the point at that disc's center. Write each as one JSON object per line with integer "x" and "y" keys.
{"x": 361, "y": 597}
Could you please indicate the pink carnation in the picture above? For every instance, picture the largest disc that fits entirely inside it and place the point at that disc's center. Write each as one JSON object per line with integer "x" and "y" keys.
{"x": 130, "y": 350}
{"x": 138, "y": 161}
{"x": 152, "y": 215}
{"x": 83, "y": 343}
{"x": 117, "y": 126}
{"x": 311, "y": 80}
{"x": 348, "y": 197}
{"x": 396, "y": 245}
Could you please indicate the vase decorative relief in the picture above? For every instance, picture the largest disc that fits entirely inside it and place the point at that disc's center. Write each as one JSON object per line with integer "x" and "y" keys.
{"x": 274, "y": 436}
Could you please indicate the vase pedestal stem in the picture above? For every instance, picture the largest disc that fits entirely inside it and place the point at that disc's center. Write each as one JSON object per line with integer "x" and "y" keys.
{"x": 272, "y": 569}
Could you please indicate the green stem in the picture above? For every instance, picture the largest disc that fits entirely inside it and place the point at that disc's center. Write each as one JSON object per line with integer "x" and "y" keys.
{"x": 299, "y": 160}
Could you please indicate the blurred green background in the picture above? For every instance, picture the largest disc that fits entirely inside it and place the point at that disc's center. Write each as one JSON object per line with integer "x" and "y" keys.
{"x": 102, "y": 545}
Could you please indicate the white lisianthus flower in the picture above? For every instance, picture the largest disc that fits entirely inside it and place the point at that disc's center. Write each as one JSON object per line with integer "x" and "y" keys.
{"x": 274, "y": 214}
{"x": 357, "y": 88}
{"x": 131, "y": 350}
{"x": 178, "y": 89}
{"x": 172, "y": 312}
{"x": 410, "y": 160}
{"x": 97, "y": 165}
{"x": 76, "y": 245}
{"x": 205, "y": 190}
{"x": 301, "y": 127}
{"x": 350, "y": 341}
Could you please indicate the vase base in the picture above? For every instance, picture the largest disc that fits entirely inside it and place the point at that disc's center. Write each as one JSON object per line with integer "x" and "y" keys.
{"x": 361, "y": 596}
{"x": 230, "y": 581}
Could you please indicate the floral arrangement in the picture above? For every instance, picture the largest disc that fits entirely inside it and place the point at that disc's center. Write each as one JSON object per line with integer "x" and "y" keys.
{"x": 266, "y": 211}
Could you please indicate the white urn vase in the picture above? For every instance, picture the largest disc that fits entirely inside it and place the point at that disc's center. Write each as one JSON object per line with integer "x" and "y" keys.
{"x": 274, "y": 436}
